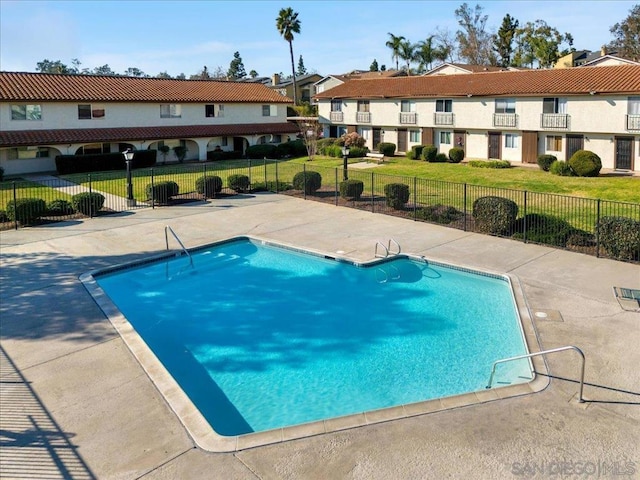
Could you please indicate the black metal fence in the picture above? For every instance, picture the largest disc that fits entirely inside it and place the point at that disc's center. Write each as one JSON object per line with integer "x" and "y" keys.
{"x": 591, "y": 226}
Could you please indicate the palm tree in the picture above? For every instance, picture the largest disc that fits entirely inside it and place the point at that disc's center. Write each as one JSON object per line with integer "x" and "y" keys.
{"x": 394, "y": 44}
{"x": 407, "y": 53}
{"x": 288, "y": 24}
{"x": 425, "y": 54}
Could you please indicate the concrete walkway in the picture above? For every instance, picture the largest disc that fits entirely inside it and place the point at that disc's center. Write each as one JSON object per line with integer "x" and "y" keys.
{"x": 90, "y": 411}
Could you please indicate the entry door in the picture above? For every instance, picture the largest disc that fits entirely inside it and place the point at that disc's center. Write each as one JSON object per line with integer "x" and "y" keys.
{"x": 377, "y": 137}
{"x": 624, "y": 153}
{"x": 574, "y": 143}
{"x": 494, "y": 144}
{"x": 459, "y": 137}
{"x": 402, "y": 140}
{"x": 529, "y": 147}
{"x": 238, "y": 144}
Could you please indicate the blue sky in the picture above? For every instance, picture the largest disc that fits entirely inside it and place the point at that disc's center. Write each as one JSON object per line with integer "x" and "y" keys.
{"x": 183, "y": 36}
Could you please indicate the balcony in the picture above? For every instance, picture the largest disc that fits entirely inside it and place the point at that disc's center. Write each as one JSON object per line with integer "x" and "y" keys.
{"x": 443, "y": 118}
{"x": 408, "y": 118}
{"x": 554, "y": 121}
{"x": 633, "y": 122}
{"x": 505, "y": 120}
{"x": 363, "y": 117}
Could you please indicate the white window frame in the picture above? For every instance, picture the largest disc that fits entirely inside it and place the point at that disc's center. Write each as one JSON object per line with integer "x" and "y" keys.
{"x": 269, "y": 110}
{"x": 559, "y": 105}
{"x": 511, "y": 140}
{"x": 414, "y": 136}
{"x": 363, "y": 106}
{"x": 445, "y": 137}
{"x": 32, "y": 111}
{"x": 96, "y": 111}
{"x": 336, "y": 105}
{"x": 633, "y": 106}
{"x": 170, "y": 110}
{"x": 444, "y": 105}
{"x": 551, "y": 142}
{"x": 505, "y": 105}
{"x": 407, "y": 106}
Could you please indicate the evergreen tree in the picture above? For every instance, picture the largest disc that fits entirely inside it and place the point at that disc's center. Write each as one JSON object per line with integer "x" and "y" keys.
{"x": 253, "y": 74}
{"x": 503, "y": 40}
{"x": 236, "y": 68}
{"x": 301, "y": 68}
{"x": 374, "y": 66}
{"x": 626, "y": 35}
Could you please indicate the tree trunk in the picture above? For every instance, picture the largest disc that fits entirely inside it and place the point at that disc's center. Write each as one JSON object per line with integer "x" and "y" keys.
{"x": 293, "y": 71}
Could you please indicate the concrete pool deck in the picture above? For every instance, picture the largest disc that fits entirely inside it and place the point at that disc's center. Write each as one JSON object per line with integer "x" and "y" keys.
{"x": 75, "y": 402}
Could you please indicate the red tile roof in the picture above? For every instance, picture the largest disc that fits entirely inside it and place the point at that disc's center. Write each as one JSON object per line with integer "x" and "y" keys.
{"x": 53, "y": 137}
{"x": 619, "y": 79}
{"x": 49, "y": 87}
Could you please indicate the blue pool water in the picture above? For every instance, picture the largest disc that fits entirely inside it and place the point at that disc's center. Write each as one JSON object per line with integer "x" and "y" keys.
{"x": 261, "y": 337}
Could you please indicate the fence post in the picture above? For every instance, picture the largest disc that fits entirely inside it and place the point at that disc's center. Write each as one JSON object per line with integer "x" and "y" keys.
{"x": 336, "y": 189}
{"x": 90, "y": 196}
{"x": 524, "y": 223}
{"x": 277, "y": 180}
{"x": 598, "y": 230}
{"x": 15, "y": 207}
{"x": 464, "y": 207}
{"x": 373, "y": 193}
{"x": 249, "y": 162}
{"x": 415, "y": 200}
{"x": 153, "y": 192}
{"x": 304, "y": 170}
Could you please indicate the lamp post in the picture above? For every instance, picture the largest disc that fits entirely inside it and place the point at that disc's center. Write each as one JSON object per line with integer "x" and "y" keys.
{"x": 128, "y": 156}
{"x": 345, "y": 156}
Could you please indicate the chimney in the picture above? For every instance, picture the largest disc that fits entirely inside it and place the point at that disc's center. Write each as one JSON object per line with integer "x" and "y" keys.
{"x": 603, "y": 50}
{"x": 275, "y": 79}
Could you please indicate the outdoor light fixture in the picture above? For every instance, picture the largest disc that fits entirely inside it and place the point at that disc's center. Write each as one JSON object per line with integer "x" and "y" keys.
{"x": 128, "y": 157}
{"x": 345, "y": 156}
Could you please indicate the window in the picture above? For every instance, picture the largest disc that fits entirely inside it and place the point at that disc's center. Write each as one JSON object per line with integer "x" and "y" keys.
{"x": 170, "y": 110}
{"x": 633, "y": 106}
{"x": 407, "y": 106}
{"x": 214, "y": 111}
{"x": 445, "y": 137}
{"x": 319, "y": 88}
{"x": 225, "y": 141}
{"x": 444, "y": 106}
{"x": 364, "y": 133}
{"x": 505, "y": 105}
{"x": 89, "y": 111}
{"x": 24, "y": 153}
{"x": 510, "y": 140}
{"x": 269, "y": 110}
{"x": 363, "y": 105}
{"x": 554, "y": 105}
{"x": 553, "y": 143}
{"x": 336, "y": 105}
{"x": 92, "y": 148}
{"x": 414, "y": 136}
{"x": 26, "y": 112}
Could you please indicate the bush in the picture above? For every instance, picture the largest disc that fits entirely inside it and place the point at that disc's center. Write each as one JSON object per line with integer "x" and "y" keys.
{"x": 494, "y": 215}
{"x": 3, "y": 216}
{"x": 265, "y": 150}
{"x": 429, "y": 153}
{"x": 324, "y": 143}
{"x": 99, "y": 162}
{"x": 87, "y": 203}
{"x": 216, "y": 155}
{"x": 545, "y": 161}
{"x": 397, "y": 195}
{"x": 1, "y": 174}
{"x": 585, "y": 163}
{"x": 271, "y": 186}
{"x": 441, "y": 158}
{"x": 295, "y": 148}
{"x": 144, "y": 158}
{"x": 443, "y": 214}
{"x": 357, "y": 152}
{"x": 307, "y": 181}
{"x": 351, "y": 189}
{"x": 561, "y": 168}
{"x": 620, "y": 237}
{"x": 26, "y": 210}
{"x": 238, "y": 182}
{"x": 415, "y": 152}
{"x": 544, "y": 229}
{"x": 161, "y": 192}
{"x": 60, "y": 208}
{"x": 456, "y": 155}
{"x": 490, "y": 163}
{"x": 208, "y": 185}
{"x": 387, "y": 149}
{"x": 353, "y": 139}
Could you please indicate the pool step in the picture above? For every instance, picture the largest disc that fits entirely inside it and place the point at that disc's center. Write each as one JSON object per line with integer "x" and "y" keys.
{"x": 387, "y": 249}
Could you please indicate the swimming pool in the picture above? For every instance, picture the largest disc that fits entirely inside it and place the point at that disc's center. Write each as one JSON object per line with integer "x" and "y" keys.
{"x": 261, "y": 337}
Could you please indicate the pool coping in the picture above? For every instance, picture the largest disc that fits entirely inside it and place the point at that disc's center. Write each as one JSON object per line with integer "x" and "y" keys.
{"x": 205, "y": 437}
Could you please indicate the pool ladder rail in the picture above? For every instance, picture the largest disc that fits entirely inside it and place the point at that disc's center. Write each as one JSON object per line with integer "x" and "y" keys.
{"x": 168, "y": 229}
{"x": 387, "y": 249}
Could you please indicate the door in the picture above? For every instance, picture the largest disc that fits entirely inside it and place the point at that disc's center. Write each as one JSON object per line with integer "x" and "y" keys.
{"x": 494, "y": 145}
{"x": 427, "y": 136}
{"x": 402, "y": 140}
{"x": 529, "y": 147}
{"x": 377, "y": 138}
{"x": 574, "y": 143}
{"x": 238, "y": 144}
{"x": 460, "y": 139}
{"x": 624, "y": 153}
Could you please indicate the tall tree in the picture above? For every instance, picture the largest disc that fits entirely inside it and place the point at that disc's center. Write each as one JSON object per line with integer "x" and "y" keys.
{"x": 474, "y": 42}
{"x": 163, "y": 75}
{"x": 134, "y": 72}
{"x": 374, "y": 66}
{"x": 626, "y": 35}
{"x": 201, "y": 75}
{"x": 55, "y": 66}
{"x": 407, "y": 53}
{"x": 394, "y": 44}
{"x": 103, "y": 70}
{"x": 503, "y": 40}
{"x": 424, "y": 54}
{"x": 446, "y": 45}
{"x": 236, "y": 68}
{"x": 542, "y": 43}
{"x": 301, "y": 68}
{"x": 288, "y": 24}
{"x": 253, "y": 74}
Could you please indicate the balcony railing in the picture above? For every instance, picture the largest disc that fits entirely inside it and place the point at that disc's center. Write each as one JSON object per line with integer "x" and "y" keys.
{"x": 408, "y": 118}
{"x": 554, "y": 121}
{"x": 336, "y": 116}
{"x": 363, "y": 117}
{"x": 633, "y": 122}
{"x": 505, "y": 120}
{"x": 443, "y": 118}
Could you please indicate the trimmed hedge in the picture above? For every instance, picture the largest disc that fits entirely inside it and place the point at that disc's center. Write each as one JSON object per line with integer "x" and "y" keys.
{"x": 490, "y": 163}
{"x": 456, "y": 155}
{"x": 441, "y": 158}
{"x": 214, "y": 155}
{"x": 387, "y": 149}
{"x": 307, "y": 181}
{"x": 415, "y": 152}
{"x": 99, "y": 162}
{"x": 562, "y": 168}
{"x": 161, "y": 192}
{"x": 59, "y": 208}
{"x": 208, "y": 185}
{"x": 620, "y": 237}
{"x": 351, "y": 189}
{"x": 545, "y": 161}
{"x": 238, "y": 182}
{"x": 585, "y": 163}
{"x": 429, "y": 153}
{"x": 442, "y": 214}
{"x": 494, "y": 215}
{"x": 271, "y": 186}
{"x": 88, "y": 203}
{"x": 397, "y": 195}
{"x": 265, "y": 150}
{"x": 544, "y": 229}
{"x": 294, "y": 148}
{"x": 26, "y": 210}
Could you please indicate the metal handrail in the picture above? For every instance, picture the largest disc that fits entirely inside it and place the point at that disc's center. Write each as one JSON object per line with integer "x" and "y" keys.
{"x": 167, "y": 229}
{"x": 389, "y": 247}
{"x": 554, "y": 350}
{"x": 386, "y": 251}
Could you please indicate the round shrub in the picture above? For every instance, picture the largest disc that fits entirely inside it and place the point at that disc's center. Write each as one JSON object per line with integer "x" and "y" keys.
{"x": 585, "y": 163}
{"x": 494, "y": 215}
{"x": 397, "y": 195}
{"x": 561, "y": 168}
{"x": 357, "y": 152}
{"x": 415, "y": 152}
{"x": 292, "y": 148}
{"x": 456, "y": 155}
{"x": 307, "y": 181}
{"x": 620, "y": 237}
{"x": 351, "y": 189}
{"x": 387, "y": 149}
{"x": 238, "y": 182}
{"x": 87, "y": 203}
{"x": 265, "y": 150}
{"x": 544, "y": 229}
{"x": 429, "y": 153}
{"x": 161, "y": 192}
{"x": 60, "y": 208}
{"x": 545, "y": 161}
{"x": 208, "y": 185}
{"x": 26, "y": 210}
{"x": 441, "y": 158}
{"x": 323, "y": 143}
{"x": 3, "y": 216}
